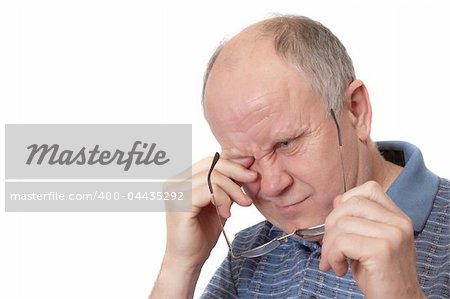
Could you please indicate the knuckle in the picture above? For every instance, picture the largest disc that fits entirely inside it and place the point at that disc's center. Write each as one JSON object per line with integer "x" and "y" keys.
{"x": 397, "y": 236}
{"x": 215, "y": 199}
{"x": 372, "y": 185}
{"x": 406, "y": 225}
{"x": 373, "y": 188}
{"x": 236, "y": 197}
{"x": 341, "y": 224}
{"x": 385, "y": 247}
{"x": 340, "y": 242}
{"x": 329, "y": 222}
{"x": 354, "y": 202}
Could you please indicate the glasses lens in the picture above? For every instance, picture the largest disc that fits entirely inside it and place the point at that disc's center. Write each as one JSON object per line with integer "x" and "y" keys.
{"x": 262, "y": 249}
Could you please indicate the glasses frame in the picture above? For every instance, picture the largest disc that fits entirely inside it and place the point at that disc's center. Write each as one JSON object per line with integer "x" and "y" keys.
{"x": 304, "y": 233}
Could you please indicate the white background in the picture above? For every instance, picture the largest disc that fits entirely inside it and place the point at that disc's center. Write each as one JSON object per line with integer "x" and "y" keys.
{"x": 142, "y": 62}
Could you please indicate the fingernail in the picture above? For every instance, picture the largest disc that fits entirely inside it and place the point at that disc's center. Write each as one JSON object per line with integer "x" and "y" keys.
{"x": 248, "y": 198}
{"x": 252, "y": 172}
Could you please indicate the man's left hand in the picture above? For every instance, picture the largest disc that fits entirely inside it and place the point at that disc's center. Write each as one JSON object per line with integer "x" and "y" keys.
{"x": 367, "y": 230}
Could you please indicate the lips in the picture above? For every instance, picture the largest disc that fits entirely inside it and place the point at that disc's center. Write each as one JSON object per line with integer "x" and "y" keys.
{"x": 289, "y": 205}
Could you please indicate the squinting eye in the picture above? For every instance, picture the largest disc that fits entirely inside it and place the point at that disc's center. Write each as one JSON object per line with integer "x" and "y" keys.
{"x": 285, "y": 143}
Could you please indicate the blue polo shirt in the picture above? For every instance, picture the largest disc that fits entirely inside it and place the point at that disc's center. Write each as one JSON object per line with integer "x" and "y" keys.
{"x": 292, "y": 270}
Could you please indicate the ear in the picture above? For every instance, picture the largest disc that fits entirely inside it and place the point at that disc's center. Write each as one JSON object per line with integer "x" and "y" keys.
{"x": 360, "y": 109}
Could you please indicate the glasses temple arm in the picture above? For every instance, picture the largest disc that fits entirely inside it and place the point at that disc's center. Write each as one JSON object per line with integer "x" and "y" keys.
{"x": 213, "y": 164}
{"x": 340, "y": 148}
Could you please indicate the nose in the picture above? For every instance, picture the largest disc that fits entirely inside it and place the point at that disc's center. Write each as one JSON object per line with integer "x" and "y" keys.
{"x": 273, "y": 178}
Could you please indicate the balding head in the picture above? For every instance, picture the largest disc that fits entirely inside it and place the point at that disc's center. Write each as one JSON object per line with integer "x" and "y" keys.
{"x": 267, "y": 99}
{"x": 306, "y": 44}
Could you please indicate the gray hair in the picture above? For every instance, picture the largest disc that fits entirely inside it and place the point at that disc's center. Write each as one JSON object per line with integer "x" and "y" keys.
{"x": 311, "y": 48}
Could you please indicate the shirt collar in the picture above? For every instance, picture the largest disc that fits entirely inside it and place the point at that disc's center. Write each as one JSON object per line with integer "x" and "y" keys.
{"x": 415, "y": 188}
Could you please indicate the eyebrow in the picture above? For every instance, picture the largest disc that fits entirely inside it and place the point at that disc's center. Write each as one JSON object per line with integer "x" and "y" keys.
{"x": 232, "y": 155}
{"x": 297, "y": 134}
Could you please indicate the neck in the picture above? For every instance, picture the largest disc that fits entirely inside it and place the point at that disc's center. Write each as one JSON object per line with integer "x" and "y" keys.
{"x": 383, "y": 172}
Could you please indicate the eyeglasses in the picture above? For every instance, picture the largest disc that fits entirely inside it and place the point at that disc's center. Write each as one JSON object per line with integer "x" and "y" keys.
{"x": 304, "y": 233}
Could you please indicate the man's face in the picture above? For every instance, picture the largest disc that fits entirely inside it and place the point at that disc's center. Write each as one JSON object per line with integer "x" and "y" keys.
{"x": 266, "y": 117}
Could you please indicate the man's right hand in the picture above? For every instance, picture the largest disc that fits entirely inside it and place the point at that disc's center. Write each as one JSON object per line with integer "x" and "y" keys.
{"x": 192, "y": 235}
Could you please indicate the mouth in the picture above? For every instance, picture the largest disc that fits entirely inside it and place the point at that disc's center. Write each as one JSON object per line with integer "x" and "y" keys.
{"x": 290, "y": 206}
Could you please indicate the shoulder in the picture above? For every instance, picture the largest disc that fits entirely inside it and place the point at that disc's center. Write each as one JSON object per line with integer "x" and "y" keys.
{"x": 441, "y": 203}
{"x": 439, "y": 216}
{"x": 440, "y": 212}
{"x": 443, "y": 192}
{"x": 433, "y": 244}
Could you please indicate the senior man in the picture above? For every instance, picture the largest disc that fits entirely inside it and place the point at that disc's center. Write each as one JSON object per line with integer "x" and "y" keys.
{"x": 347, "y": 217}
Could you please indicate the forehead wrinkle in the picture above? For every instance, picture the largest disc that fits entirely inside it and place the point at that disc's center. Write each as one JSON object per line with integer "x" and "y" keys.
{"x": 255, "y": 110}
{"x": 251, "y": 97}
{"x": 260, "y": 131}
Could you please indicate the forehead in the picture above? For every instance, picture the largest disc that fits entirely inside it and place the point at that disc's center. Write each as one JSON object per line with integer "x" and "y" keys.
{"x": 246, "y": 73}
{"x": 254, "y": 97}
{"x": 254, "y": 127}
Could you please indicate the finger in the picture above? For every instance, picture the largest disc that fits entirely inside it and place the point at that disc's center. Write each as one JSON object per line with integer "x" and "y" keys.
{"x": 231, "y": 188}
{"x": 362, "y": 207}
{"x": 201, "y": 194}
{"x": 373, "y": 191}
{"x": 227, "y": 175}
{"x": 360, "y": 227}
{"x": 223, "y": 203}
{"x": 228, "y": 168}
{"x": 368, "y": 251}
{"x": 365, "y": 227}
